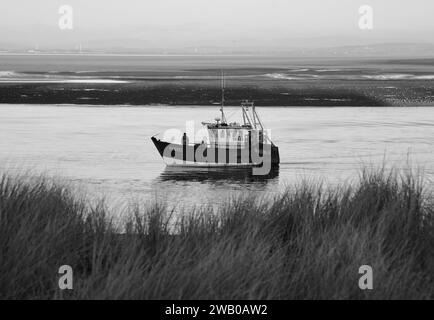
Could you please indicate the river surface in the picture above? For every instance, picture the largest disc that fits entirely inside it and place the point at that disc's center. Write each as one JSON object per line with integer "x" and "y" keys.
{"x": 107, "y": 151}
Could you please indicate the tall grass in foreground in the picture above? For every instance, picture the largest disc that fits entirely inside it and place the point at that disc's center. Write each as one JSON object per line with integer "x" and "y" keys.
{"x": 306, "y": 243}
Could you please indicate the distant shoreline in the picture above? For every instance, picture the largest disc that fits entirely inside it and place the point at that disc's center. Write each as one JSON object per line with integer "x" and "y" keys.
{"x": 127, "y": 54}
{"x": 201, "y": 106}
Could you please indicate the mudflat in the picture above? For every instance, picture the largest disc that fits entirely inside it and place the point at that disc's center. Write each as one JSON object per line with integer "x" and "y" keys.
{"x": 197, "y": 81}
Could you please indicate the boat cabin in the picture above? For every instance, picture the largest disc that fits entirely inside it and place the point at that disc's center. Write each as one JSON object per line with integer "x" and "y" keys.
{"x": 221, "y": 131}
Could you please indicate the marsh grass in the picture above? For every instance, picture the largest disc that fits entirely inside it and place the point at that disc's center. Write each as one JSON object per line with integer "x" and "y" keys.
{"x": 305, "y": 243}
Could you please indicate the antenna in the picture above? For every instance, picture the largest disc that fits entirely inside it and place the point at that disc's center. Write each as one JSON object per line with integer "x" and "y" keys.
{"x": 223, "y": 98}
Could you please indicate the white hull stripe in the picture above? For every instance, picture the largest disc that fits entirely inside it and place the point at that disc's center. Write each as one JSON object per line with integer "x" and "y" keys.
{"x": 179, "y": 163}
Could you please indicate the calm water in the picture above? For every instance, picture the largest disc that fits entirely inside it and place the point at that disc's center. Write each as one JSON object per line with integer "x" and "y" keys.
{"x": 107, "y": 150}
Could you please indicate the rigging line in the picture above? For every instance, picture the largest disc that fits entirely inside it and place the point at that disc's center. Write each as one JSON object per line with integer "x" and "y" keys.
{"x": 223, "y": 97}
{"x": 231, "y": 114}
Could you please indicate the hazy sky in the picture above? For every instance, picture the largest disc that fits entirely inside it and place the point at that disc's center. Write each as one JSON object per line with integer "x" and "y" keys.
{"x": 177, "y": 23}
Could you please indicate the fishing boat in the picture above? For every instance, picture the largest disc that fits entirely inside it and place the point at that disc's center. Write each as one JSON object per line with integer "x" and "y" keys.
{"x": 229, "y": 144}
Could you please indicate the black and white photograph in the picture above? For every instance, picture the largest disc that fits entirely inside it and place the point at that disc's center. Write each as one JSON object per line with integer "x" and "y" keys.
{"x": 216, "y": 156}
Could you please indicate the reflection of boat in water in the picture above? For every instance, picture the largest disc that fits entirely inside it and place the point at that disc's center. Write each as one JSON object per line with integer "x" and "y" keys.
{"x": 227, "y": 174}
{"x": 245, "y": 144}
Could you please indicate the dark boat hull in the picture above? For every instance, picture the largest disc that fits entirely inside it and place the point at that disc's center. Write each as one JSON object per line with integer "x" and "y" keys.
{"x": 217, "y": 156}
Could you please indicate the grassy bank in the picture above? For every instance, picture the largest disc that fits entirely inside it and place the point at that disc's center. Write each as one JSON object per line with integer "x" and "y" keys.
{"x": 306, "y": 243}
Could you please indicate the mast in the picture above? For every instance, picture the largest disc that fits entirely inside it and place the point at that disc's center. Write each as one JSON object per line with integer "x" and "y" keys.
{"x": 223, "y": 98}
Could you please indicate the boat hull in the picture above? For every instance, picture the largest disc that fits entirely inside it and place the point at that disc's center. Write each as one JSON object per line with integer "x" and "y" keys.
{"x": 199, "y": 155}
